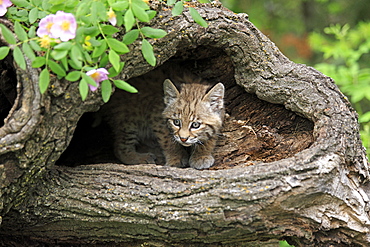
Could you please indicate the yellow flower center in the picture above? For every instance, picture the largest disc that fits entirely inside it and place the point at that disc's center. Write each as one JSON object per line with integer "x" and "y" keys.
{"x": 1, "y": 2}
{"x": 95, "y": 76}
{"x": 111, "y": 14}
{"x": 48, "y": 26}
{"x": 65, "y": 25}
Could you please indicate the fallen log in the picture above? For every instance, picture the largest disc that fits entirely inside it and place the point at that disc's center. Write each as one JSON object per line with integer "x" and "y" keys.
{"x": 289, "y": 165}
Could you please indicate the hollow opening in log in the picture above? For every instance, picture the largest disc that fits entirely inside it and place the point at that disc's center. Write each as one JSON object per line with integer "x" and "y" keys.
{"x": 254, "y": 130}
{"x": 8, "y": 87}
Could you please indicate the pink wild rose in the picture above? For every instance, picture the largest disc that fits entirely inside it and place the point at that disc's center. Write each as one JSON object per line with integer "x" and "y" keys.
{"x": 45, "y": 26}
{"x": 98, "y": 76}
{"x": 64, "y": 26}
{"x": 4, "y": 4}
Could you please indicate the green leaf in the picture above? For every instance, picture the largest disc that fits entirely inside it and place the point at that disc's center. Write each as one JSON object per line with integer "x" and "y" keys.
{"x": 32, "y": 32}
{"x": 140, "y": 3}
{"x": 76, "y": 55}
{"x": 124, "y": 86}
{"x": 58, "y": 54}
{"x": 147, "y": 51}
{"x": 99, "y": 50}
{"x": 89, "y": 79}
{"x": 36, "y": 2}
{"x": 4, "y": 51}
{"x": 130, "y": 37}
{"x": 109, "y": 30}
{"x": 23, "y": 15}
{"x": 76, "y": 52}
{"x": 73, "y": 64}
{"x": 33, "y": 15}
{"x": 117, "y": 46}
{"x": 80, "y": 36}
{"x": 82, "y": 9}
{"x": 114, "y": 59}
{"x": 153, "y": 33}
{"x": 92, "y": 31}
{"x": 106, "y": 90}
{"x": 20, "y": 3}
{"x": 63, "y": 46}
{"x": 73, "y": 76}
{"x": 64, "y": 63}
{"x": 139, "y": 12}
{"x": 38, "y": 62}
{"x": 19, "y": 31}
{"x": 46, "y": 5}
{"x": 87, "y": 57}
{"x": 35, "y": 46}
{"x": 44, "y": 80}
{"x": 94, "y": 42}
{"x": 120, "y": 5}
{"x": 151, "y": 14}
{"x": 129, "y": 20}
{"x": 57, "y": 5}
{"x": 56, "y": 68}
{"x": 94, "y": 12}
{"x": 103, "y": 61}
{"x": 364, "y": 118}
{"x": 87, "y": 19}
{"x": 8, "y": 35}
{"x": 27, "y": 50}
{"x": 101, "y": 11}
{"x": 197, "y": 18}
{"x": 171, "y": 2}
{"x": 19, "y": 57}
{"x": 119, "y": 20}
{"x": 113, "y": 72}
{"x": 84, "y": 89}
{"x": 12, "y": 10}
{"x": 178, "y": 8}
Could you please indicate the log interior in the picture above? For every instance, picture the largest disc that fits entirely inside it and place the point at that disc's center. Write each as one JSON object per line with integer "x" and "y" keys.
{"x": 254, "y": 130}
{"x": 8, "y": 87}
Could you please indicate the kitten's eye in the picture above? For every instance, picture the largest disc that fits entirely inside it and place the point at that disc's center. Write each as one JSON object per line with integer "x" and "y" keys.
{"x": 195, "y": 125}
{"x": 177, "y": 122}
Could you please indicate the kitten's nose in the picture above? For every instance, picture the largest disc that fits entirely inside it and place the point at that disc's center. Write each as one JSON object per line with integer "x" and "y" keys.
{"x": 184, "y": 139}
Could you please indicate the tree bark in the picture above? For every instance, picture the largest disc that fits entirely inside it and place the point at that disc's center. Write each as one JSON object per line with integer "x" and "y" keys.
{"x": 314, "y": 195}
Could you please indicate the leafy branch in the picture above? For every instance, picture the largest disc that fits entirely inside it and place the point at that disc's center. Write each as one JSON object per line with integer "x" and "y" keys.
{"x": 76, "y": 40}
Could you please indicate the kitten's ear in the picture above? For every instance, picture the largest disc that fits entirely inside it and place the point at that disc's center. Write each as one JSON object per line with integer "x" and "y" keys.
{"x": 170, "y": 92}
{"x": 215, "y": 96}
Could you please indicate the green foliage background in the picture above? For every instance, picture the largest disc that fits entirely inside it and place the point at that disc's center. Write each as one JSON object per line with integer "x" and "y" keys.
{"x": 331, "y": 35}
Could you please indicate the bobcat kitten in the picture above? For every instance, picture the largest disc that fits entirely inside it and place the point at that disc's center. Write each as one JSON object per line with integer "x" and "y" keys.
{"x": 185, "y": 123}
{"x": 194, "y": 116}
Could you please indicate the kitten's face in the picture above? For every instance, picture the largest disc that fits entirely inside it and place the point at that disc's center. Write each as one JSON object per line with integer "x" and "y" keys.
{"x": 189, "y": 130}
{"x": 194, "y": 115}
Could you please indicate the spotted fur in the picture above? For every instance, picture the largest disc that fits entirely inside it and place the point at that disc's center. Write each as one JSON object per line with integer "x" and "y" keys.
{"x": 184, "y": 120}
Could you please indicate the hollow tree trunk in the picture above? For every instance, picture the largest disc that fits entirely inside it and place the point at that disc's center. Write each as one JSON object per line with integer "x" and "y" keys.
{"x": 316, "y": 196}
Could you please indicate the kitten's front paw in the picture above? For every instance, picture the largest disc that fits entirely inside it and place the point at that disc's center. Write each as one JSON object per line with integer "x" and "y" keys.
{"x": 202, "y": 162}
{"x": 178, "y": 163}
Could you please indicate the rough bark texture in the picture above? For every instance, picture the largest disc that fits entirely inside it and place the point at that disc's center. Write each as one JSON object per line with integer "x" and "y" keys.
{"x": 314, "y": 195}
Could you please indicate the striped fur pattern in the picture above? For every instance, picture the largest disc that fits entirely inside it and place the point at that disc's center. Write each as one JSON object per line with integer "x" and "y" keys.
{"x": 194, "y": 116}
{"x": 184, "y": 120}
